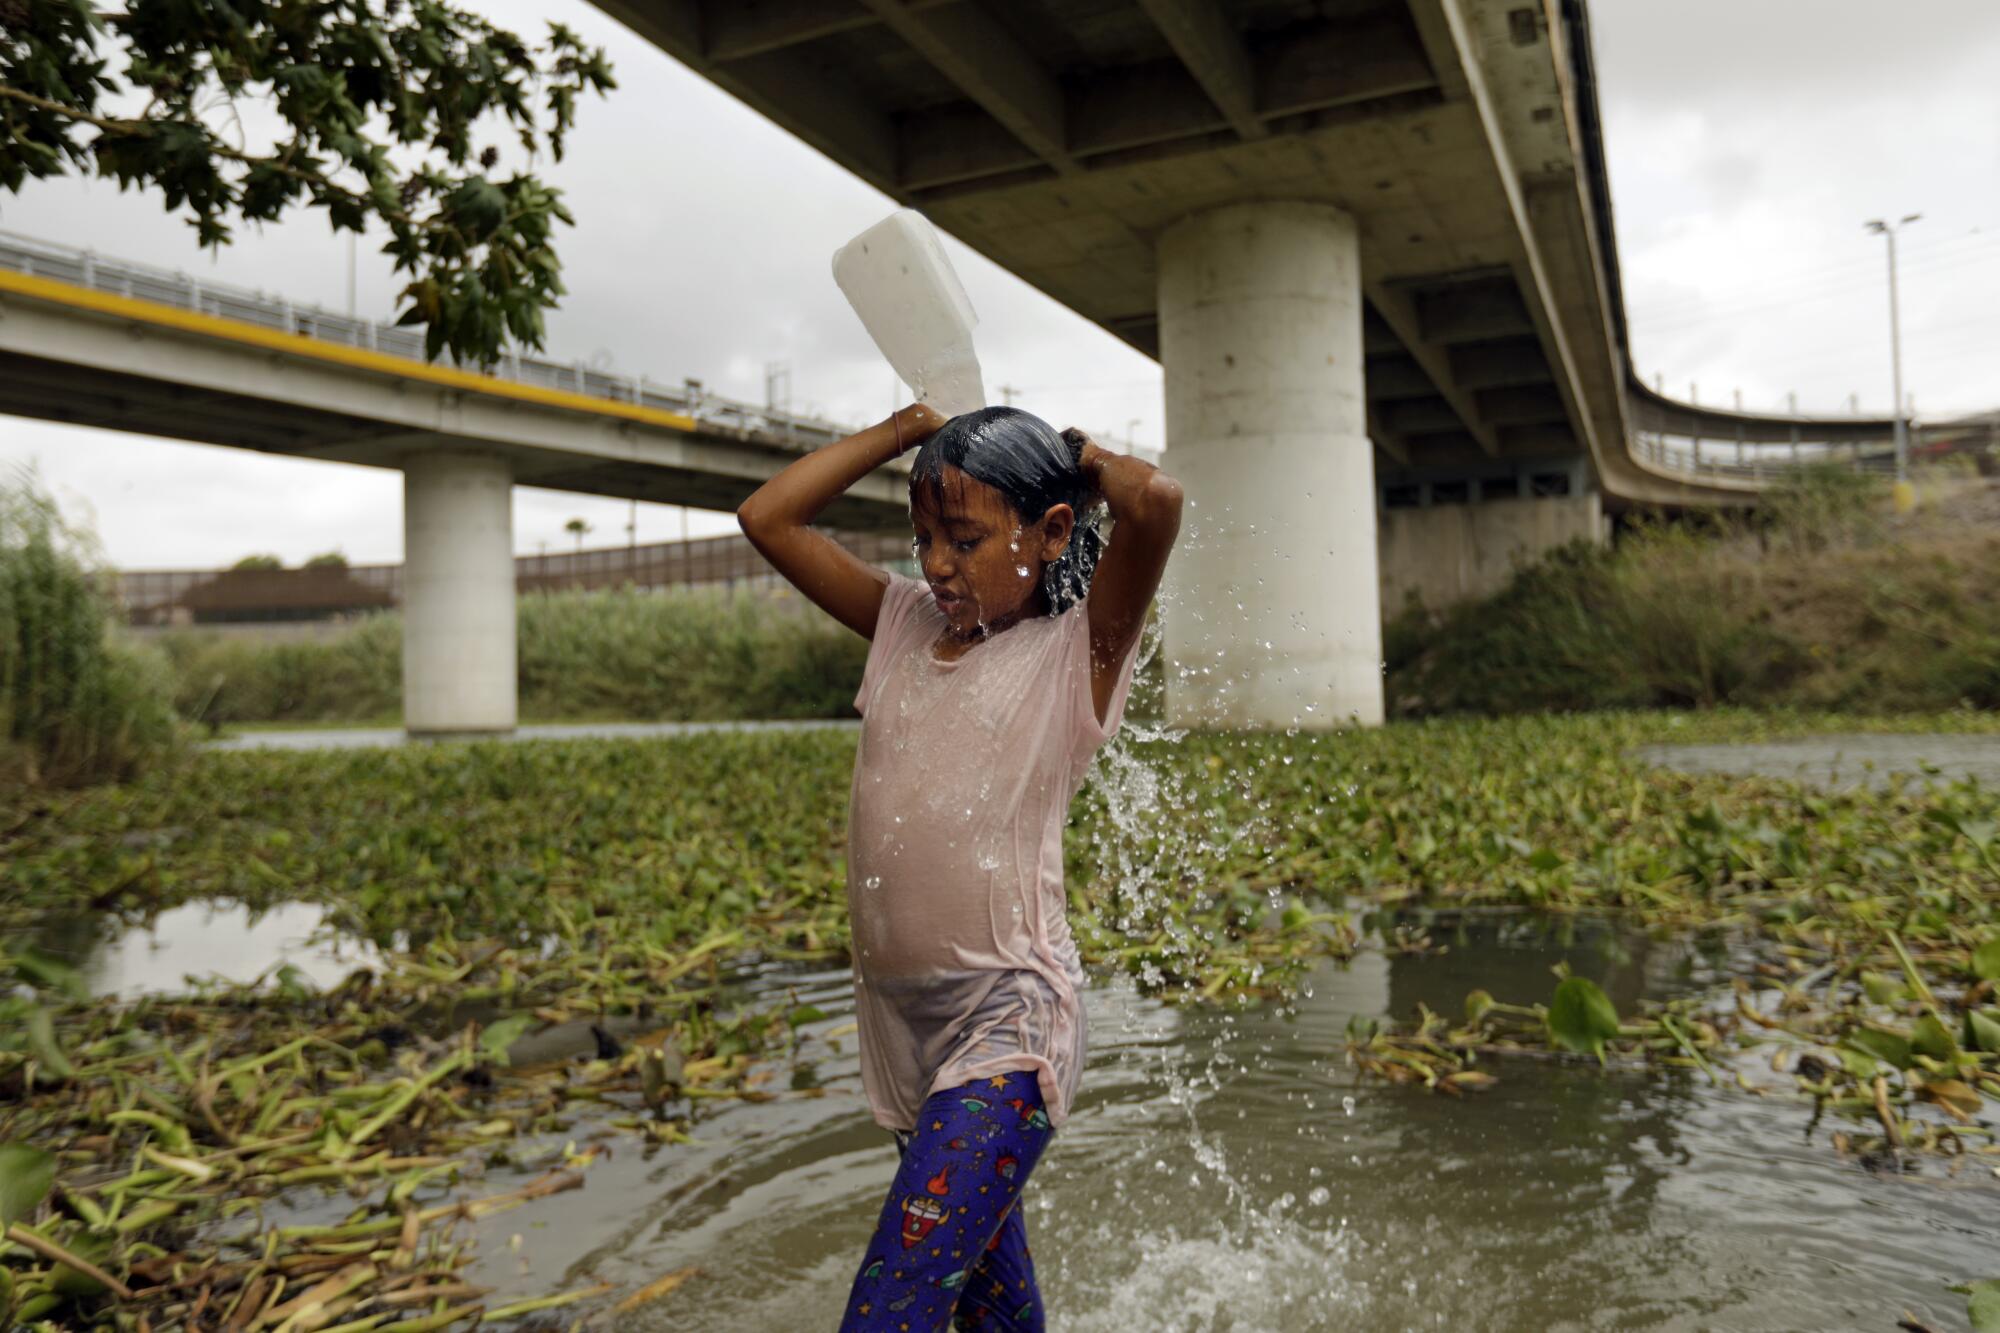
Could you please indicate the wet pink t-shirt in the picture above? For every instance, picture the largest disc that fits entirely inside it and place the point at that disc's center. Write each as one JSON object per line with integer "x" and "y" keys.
{"x": 963, "y": 962}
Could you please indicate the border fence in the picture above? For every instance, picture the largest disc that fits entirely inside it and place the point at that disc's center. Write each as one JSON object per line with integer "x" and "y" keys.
{"x": 235, "y": 596}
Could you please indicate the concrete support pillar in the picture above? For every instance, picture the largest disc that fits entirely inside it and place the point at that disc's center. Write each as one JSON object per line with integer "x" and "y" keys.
{"x": 1272, "y": 606}
{"x": 458, "y": 595}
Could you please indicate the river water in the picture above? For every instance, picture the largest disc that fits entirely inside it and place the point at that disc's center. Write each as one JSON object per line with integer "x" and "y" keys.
{"x": 1225, "y": 1171}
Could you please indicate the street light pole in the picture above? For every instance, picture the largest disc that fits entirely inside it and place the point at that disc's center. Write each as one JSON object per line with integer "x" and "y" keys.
{"x": 1896, "y": 348}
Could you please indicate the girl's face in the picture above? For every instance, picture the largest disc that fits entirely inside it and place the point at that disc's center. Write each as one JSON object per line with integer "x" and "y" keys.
{"x": 982, "y": 559}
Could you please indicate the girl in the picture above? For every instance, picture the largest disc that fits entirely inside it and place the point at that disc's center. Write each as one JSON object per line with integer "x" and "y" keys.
{"x": 988, "y": 686}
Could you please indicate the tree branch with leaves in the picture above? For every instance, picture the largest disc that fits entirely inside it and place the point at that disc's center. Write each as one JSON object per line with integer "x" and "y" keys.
{"x": 352, "y": 82}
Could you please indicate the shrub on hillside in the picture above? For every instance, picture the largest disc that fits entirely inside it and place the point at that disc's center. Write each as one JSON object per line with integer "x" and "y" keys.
{"x": 1542, "y": 642}
{"x": 1821, "y": 606}
{"x": 1822, "y": 505}
{"x": 75, "y": 707}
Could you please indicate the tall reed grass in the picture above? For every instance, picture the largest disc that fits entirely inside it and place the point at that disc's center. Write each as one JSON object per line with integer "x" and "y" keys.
{"x": 75, "y": 707}
{"x": 672, "y": 656}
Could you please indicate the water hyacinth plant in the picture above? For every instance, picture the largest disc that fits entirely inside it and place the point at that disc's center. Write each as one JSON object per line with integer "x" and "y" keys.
{"x": 597, "y": 893}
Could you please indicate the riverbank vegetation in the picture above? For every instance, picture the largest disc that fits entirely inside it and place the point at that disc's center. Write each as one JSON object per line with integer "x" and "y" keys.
{"x": 516, "y": 889}
{"x": 75, "y": 706}
{"x": 1822, "y": 602}
{"x": 682, "y": 654}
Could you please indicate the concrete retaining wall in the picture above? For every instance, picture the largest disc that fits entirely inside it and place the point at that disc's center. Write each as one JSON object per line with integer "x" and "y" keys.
{"x": 1448, "y": 553}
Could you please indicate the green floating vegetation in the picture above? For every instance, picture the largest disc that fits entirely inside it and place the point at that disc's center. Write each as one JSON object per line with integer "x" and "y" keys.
{"x": 139, "y": 1144}
{"x": 1913, "y": 1071}
{"x": 515, "y": 890}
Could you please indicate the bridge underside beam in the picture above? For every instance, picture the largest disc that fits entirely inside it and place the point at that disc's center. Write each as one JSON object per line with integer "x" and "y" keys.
{"x": 986, "y": 62}
{"x": 1404, "y": 314}
{"x": 1215, "y": 54}
{"x": 923, "y": 96}
{"x": 734, "y": 30}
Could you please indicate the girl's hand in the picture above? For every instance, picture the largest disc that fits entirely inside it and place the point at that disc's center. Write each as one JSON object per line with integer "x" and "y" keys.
{"x": 1089, "y": 455}
{"x": 915, "y": 424}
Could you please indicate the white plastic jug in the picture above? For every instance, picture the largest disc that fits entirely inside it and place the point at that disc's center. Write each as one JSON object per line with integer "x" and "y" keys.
{"x": 898, "y": 280}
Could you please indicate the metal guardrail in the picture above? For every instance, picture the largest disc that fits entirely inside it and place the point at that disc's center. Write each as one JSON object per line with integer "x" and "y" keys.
{"x": 84, "y": 268}
{"x": 1704, "y": 442}
{"x": 1719, "y": 460}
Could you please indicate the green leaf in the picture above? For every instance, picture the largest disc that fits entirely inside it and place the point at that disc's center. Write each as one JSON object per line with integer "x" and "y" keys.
{"x": 495, "y": 1038}
{"x": 1986, "y": 960}
{"x": 1931, "y": 1037}
{"x": 1581, "y": 1018}
{"x": 42, "y": 1044}
{"x": 1476, "y": 1005}
{"x": 1982, "y": 1304}
{"x": 51, "y": 974}
{"x": 1887, "y": 1046}
{"x": 479, "y": 206}
{"x": 1982, "y": 1031}
{"x": 92, "y": 1248}
{"x": 1859, "y": 1063}
{"x": 1884, "y": 990}
{"x": 26, "y": 1177}
{"x": 805, "y": 1013}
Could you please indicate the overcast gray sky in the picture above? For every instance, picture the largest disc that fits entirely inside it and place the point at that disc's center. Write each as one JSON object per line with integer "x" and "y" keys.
{"x": 1748, "y": 142}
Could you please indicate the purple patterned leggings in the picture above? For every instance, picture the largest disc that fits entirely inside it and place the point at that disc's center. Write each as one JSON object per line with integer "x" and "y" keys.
{"x": 951, "y": 1241}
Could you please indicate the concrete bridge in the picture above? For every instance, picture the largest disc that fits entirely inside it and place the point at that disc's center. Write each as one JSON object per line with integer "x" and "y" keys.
{"x": 99, "y": 342}
{"x": 1370, "y": 242}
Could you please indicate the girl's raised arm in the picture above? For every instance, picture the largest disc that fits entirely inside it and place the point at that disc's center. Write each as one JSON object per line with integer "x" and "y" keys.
{"x": 1145, "y": 505}
{"x": 777, "y": 517}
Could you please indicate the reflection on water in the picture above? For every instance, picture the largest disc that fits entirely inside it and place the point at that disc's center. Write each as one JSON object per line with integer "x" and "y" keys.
{"x": 1223, "y": 1171}
{"x": 203, "y": 942}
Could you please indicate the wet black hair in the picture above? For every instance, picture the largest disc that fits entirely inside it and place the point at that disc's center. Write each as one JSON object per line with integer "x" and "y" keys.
{"x": 1035, "y": 468}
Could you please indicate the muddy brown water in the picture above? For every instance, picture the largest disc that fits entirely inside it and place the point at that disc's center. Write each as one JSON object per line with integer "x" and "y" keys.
{"x": 1224, "y": 1170}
